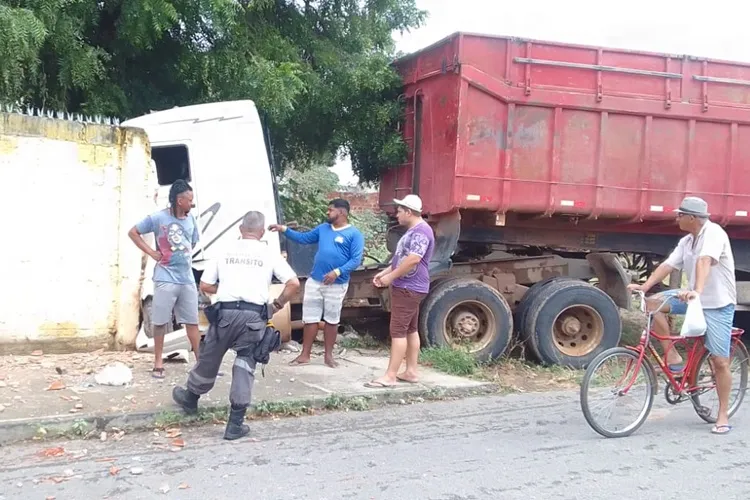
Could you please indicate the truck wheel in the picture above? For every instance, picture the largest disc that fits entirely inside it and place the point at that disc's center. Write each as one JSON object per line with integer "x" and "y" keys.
{"x": 427, "y": 304}
{"x": 468, "y": 313}
{"x": 570, "y": 323}
{"x": 522, "y": 309}
{"x": 148, "y": 327}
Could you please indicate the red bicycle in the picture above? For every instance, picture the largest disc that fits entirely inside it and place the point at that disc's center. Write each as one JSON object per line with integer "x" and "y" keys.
{"x": 638, "y": 375}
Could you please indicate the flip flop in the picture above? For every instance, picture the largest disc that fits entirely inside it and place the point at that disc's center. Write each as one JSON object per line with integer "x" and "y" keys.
{"x": 374, "y": 384}
{"x": 717, "y": 429}
{"x": 407, "y": 381}
{"x": 676, "y": 368}
{"x": 158, "y": 373}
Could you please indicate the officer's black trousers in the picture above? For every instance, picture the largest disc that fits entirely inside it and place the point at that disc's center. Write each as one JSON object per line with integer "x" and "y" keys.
{"x": 235, "y": 329}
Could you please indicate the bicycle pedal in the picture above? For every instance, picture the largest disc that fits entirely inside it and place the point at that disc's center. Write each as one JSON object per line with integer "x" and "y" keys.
{"x": 704, "y": 410}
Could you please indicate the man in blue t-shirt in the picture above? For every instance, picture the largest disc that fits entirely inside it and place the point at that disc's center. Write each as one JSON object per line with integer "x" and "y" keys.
{"x": 340, "y": 250}
{"x": 176, "y": 233}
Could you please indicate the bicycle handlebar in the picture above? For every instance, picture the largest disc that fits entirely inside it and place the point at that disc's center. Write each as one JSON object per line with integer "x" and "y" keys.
{"x": 642, "y": 295}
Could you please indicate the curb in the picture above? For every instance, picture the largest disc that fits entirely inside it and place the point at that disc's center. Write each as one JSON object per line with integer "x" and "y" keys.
{"x": 82, "y": 426}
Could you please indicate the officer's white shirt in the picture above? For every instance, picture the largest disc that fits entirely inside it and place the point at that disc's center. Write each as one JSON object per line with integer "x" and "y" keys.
{"x": 245, "y": 272}
{"x": 720, "y": 288}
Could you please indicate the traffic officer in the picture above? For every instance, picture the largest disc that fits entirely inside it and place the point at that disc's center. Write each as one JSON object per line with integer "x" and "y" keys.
{"x": 241, "y": 280}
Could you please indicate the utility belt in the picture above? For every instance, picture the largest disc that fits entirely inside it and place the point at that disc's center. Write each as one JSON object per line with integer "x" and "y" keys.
{"x": 212, "y": 311}
{"x": 270, "y": 340}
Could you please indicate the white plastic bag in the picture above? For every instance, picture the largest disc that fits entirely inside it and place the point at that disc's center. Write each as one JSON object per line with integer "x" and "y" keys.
{"x": 695, "y": 322}
{"x": 114, "y": 374}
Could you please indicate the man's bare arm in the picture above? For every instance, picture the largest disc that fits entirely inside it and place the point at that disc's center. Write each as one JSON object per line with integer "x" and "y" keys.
{"x": 290, "y": 288}
{"x": 702, "y": 268}
{"x": 209, "y": 289}
{"x": 384, "y": 272}
{"x": 657, "y": 276}
{"x": 141, "y": 243}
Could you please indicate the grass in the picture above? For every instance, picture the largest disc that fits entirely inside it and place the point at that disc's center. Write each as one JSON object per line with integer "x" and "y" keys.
{"x": 297, "y": 408}
{"x": 518, "y": 375}
{"x": 451, "y": 361}
{"x": 205, "y": 415}
{"x": 508, "y": 373}
{"x": 360, "y": 342}
{"x": 513, "y": 372}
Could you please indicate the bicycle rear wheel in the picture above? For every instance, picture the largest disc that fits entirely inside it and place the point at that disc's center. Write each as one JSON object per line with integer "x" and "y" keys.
{"x": 633, "y": 384}
{"x": 706, "y": 383}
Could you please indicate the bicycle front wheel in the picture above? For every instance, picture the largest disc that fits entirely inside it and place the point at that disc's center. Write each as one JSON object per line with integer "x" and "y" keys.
{"x": 617, "y": 378}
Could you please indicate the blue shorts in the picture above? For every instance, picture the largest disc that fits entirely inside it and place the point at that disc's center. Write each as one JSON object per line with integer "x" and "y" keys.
{"x": 719, "y": 323}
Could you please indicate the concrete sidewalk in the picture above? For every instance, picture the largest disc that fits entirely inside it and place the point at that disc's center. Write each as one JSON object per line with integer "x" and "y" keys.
{"x": 58, "y": 392}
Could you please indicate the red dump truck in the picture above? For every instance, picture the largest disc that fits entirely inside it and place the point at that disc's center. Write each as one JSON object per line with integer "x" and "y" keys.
{"x": 541, "y": 165}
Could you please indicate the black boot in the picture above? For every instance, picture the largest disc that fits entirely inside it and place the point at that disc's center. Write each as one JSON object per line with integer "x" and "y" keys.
{"x": 186, "y": 399}
{"x": 235, "y": 426}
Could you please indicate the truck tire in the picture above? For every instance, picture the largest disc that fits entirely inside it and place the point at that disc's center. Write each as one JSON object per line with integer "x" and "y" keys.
{"x": 470, "y": 311}
{"x": 428, "y": 303}
{"x": 570, "y": 323}
{"x": 522, "y": 309}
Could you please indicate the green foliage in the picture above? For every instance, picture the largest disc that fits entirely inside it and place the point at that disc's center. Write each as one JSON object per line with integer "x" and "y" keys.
{"x": 303, "y": 195}
{"x": 21, "y": 37}
{"x": 373, "y": 227}
{"x": 304, "y": 200}
{"x": 318, "y": 69}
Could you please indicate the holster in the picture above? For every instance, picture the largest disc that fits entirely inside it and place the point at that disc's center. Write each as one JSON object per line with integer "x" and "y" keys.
{"x": 212, "y": 313}
{"x": 270, "y": 342}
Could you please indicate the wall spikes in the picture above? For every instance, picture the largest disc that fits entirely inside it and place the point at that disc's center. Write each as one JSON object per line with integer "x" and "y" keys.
{"x": 59, "y": 115}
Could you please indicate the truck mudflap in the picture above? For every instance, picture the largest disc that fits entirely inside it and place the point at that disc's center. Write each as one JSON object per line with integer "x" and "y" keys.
{"x": 447, "y": 229}
{"x": 613, "y": 278}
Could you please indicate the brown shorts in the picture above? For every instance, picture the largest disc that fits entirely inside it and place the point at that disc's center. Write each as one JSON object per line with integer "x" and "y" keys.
{"x": 404, "y": 311}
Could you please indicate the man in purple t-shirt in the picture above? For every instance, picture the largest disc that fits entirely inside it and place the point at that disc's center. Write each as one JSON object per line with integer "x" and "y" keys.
{"x": 409, "y": 279}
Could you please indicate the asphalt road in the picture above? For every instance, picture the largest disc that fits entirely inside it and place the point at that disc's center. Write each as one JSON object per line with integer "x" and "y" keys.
{"x": 533, "y": 446}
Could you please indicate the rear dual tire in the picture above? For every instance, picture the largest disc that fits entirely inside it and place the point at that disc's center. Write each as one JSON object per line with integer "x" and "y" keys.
{"x": 568, "y": 322}
{"x": 563, "y": 321}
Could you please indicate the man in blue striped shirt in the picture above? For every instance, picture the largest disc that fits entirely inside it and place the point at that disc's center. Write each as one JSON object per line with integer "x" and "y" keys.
{"x": 340, "y": 250}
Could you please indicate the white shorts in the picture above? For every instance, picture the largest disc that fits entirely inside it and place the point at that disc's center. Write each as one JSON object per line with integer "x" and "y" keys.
{"x": 323, "y": 301}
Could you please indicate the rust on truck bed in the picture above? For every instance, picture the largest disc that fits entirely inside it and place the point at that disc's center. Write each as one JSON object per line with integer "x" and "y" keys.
{"x": 543, "y": 129}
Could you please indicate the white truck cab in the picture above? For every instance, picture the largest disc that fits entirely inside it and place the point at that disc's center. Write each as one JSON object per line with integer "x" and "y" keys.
{"x": 220, "y": 150}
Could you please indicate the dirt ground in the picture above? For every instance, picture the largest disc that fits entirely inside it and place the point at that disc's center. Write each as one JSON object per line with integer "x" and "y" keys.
{"x": 38, "y": 373}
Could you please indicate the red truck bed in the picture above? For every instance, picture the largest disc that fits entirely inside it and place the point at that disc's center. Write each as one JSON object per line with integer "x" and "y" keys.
{"x": 507, "y": 125}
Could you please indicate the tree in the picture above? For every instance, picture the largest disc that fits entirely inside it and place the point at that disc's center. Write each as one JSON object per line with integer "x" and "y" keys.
{"x": 304, "y": 197}
{"x": 318, "y": 69}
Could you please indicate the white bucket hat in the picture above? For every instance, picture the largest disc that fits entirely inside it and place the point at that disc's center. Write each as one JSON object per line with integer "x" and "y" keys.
{"x": 692, "y": 205}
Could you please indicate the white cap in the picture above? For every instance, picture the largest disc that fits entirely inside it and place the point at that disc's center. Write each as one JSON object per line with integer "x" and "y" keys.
{"x": 410, "y": 201}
